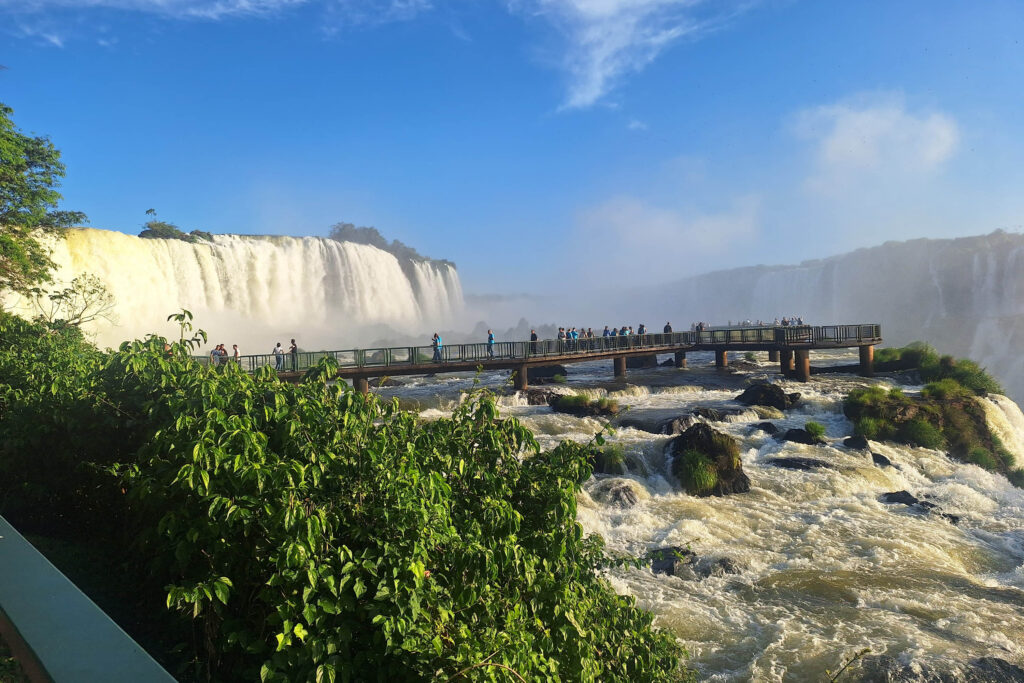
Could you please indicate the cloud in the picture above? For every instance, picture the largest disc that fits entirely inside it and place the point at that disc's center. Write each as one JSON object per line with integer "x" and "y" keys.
{"x": 610, "y": 39}
{"x": 352, "y": 11}
{"x": 636, "y": 124}
{"x": 874, "y": 137}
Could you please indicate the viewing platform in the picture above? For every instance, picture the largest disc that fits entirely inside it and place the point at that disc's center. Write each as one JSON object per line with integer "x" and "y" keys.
{"x": 790, "y": 346}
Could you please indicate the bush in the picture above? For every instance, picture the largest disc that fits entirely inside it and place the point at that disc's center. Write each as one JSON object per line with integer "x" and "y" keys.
{"x": 946, "y": 390}
{"x": 559, "y": 379}
{"x": 310, "y": 532}
{"x": 815, "y": 429}
{"x": 982, "y": 458}
{"x": 697, "y": 473}
{"x": 750, "y": 356}
{"x": 933, "y": 368}
{"x": 921, "y": 433}
{"x": 159, "y": 230}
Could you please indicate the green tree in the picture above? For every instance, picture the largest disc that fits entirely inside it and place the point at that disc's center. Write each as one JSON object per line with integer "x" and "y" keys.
{"x": 85, "y": 299}
{"x": 30, "y": 173}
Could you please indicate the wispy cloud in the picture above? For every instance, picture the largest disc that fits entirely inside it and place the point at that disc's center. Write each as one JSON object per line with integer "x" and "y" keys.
{"x": 610, "y": 39}
{"x": 636, "y": 124}
{"x": 874, "y": 136}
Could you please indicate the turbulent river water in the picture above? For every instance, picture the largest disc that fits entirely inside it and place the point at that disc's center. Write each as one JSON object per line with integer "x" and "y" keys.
{"x": 825, "y": 568}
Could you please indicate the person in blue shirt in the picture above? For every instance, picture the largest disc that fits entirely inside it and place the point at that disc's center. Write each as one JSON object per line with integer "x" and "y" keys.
{"x": 490, "y": 343}
{"x": 437, "y": 344}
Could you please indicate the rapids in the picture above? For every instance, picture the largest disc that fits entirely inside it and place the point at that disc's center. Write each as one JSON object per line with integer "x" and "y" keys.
{"x": 825, "y": 568}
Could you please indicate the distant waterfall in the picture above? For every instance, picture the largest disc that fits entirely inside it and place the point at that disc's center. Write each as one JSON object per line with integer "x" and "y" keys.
{"x": 256, "y": 291}
{"x": 964, "y": 296}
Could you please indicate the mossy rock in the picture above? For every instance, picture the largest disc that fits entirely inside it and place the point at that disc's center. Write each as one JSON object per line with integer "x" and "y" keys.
{"x": 707, "y": 462}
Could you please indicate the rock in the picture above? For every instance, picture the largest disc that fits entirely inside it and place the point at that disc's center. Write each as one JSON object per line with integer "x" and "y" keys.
{"x": 766, "y": 427}
{"x": 679, "y": 424}
{"x": 952, "y": 519}
{"x": 768, "y": 413}
{"x": 896, "y": 497}
{"x": 770, "y": 395}
{"x": 801, "y": 436}
{"x": 668, "y": 363}
{"x": 880, "y": 460}
{"x": 623, "y": 496}
{"x": 672, "y": 560}
{"x": 793, "y": 398}
{"x": 636, "y": 465}
{"x": 858, "y": 443}
{"x": 889, "y": 669}
{"x": 805, "y": 464}
{"x": 542, "y": 374}
{"x": 721, "y": 452}
{"x": 560, "y": 404}
{"x": 715, "y": 414}
{"x": 608, "y": 461}
{"x": 719, "y": 567}
{"x": 995, "y": 669}
{"x": 538, "y": 397}
{"x": 384, "y": 382}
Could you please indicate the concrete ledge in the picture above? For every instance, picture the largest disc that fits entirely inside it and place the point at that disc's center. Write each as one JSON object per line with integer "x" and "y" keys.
{"x": 54, "y": 630}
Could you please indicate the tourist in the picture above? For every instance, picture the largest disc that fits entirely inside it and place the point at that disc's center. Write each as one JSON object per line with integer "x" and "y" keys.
{"x": 490, "y": 343}
{"x": 236, "y": 354}
{"x": 278, "y": 357}
{"x": 533, "y": 341}
{"x": 668, "y": 328}
{"x": 437, "y": 344}
{"x": 294, "y": 351}
{"x": 642, "y": 329}
{"x": 607, "y": 332}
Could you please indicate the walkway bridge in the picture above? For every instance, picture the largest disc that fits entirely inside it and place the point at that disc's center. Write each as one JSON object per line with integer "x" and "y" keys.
{"x": 789, "y": 345}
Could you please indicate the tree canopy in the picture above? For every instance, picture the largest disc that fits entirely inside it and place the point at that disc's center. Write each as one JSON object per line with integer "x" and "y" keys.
{"x": 30, "y": 173}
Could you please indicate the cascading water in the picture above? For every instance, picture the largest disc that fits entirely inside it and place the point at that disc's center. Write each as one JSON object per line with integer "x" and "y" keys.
{"x": 258, "y": 290}
{"x": 819, "y": 566}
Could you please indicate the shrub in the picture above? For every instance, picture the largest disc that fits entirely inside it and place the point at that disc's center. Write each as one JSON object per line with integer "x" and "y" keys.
{"x": 750, "y": 356}
{"x": 921, "y": 433}
{"x": 559, "y": 379}
{"x": 871, "y": 428}
{"x": 696, "y": 472}
{"x": 945, "y": 390}
{"x": 815, "y": 429}
{"x": 982, "y": 458}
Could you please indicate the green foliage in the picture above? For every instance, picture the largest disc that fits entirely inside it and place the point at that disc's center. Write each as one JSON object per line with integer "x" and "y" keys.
{"x": 933, "y": 368}
{"x": 945, "y": 390}
{"x": 750, "y": 356}
{"x": 160, "y": 230}
{"x": 30, "y": 173}
{"x": 202, "y": 235}
{"x": 919, "y": 432}
{"x": 578, "y": 402}
{"x": 815, "y": 429}
{"x": 85, "y": 299}
{"x": 610, "y": 459}
{"x": 308, "y": 532}
{"x": 348, "y": 232}
{"x": 697, "y": 472}
{"x": 559, "y": 379}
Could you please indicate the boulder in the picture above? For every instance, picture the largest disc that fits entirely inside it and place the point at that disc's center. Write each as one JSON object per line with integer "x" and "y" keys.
{"x": 623, "y": 496}
{"x": 806, "y": 464}
{"x": 771, "y": 395}
{"x": 377, "y": 382}
{"x": 707, "y": 462}
{"x": 715, "y": 414}
{"x": 639, "y": 362}
{"x": 891, "y": 669}
{"x": 719, "y": 567}
{"x": 668, "y": 363}
{"x": 768, "y": 413}
{"x": 541, "y": 374}
{"x": 538, "y": 397}
{"x": 801, "y": 436}
{"x": 672, "y": 560}
{"x": 880, "y": 460}
{"x": 608, "y": 461}
{"x": 858, "y": 443}
{"x": 897, "y": 497}
{"x": 678, "y": 425}
{"x": 766, "y": 427}
{"x": 559, "y": 404}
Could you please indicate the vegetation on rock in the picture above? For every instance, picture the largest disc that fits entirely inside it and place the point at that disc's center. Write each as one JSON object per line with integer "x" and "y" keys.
{"x": 580, "y": 405}
{"x": 935, "y": 368}
{"x": 707, "y": 462}
{"x": 308, "y": 532}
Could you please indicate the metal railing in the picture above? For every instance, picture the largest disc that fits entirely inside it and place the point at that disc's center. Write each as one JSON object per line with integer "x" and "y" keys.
{"x": 407, "y": 356}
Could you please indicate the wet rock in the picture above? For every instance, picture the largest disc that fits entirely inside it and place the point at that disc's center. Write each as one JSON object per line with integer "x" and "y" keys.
{"x": 641, "y": 422}
{"x": 715, "y": 414}
{"x": 668, "y": 363}
{"x": 568, "y": 405}
{"x": 720, "y": 454}
{"x": 673, "y": 560}
{"x": 376, "y": 382}
{"x": 543, "y": 374}
{"x": 995, "y": 669}
{"x": 608, "y": 461}
{"x": 801, "y": 436}
{"x": 805, "y": 464}
{"x": 678, "y": 425}
{"x": 793, "y": 398}
{"x": 770, "y": 395}
{"x": 880, "y": 460}
{"x": 952, "y": 519}
{"x": 858, "y": 443}
{"x": 896, "y": 497}
{"x": 636, "y": 465}
{"x": 719, "y": 567}
{"x": 538, "y": 397}
{"x": 623, "y": 496}
{"x": 766, "y": 427}
{"x": 640, "y": 362}
{"x": 768, "y": 413}
{"x": 889, "y": 669}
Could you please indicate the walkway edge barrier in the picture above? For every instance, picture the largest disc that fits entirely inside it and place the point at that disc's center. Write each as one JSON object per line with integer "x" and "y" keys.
{"x": 55, "y": 631}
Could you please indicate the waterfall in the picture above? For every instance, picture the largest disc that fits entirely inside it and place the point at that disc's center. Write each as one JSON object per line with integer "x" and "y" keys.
{"x": 255, "y": 290}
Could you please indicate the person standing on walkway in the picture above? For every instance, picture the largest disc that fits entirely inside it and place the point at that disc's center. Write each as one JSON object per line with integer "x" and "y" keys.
{"x": 533, "y": 341}
{"x": 668, "y": 328}
{"x": 294, "y": 351}
{"x": 436, "y": 343}
{"x": 236, "y": 354}
{"x": 490, "y": 343}
{"x": 278, "y": 357}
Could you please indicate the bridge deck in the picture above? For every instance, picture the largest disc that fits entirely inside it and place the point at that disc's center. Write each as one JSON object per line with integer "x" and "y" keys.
{"x": 421, "y": 360}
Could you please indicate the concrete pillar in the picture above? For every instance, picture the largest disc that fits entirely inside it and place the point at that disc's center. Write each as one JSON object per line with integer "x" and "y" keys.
{"x": 620, "y": 366}
{"x": 785, "y": 361}
{"x": 680, "y": 359}
{"x": 773, "y": 356}
{"x": 522, "y": 378}
{"x": 803, "y": 365}
{"x": 361, "y": 384}
{"x": 867, "y": 361}
{"x": 721, "y": 359}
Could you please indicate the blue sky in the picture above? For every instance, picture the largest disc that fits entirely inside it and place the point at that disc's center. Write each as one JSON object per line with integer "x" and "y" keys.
{"x": 535, "y": 141}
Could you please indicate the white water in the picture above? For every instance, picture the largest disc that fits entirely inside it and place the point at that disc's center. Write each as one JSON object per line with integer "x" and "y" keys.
{"x": 256, "y": 291}
{"x": 826, "y": 568}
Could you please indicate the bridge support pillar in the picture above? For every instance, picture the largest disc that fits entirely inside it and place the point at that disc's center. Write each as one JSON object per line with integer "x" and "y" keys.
{"x": 680, "y": 359}
{"x": 361, "y": 384}
{"x": 773, "y": 356}
{"x": 803, "y": 365}
{"x": 522, "y": 378}
{"x": 867, "y": 361}
{"x": 620, "y": 367}
{"x": 721, "y": 359}
{"x": 785, "y": 361}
